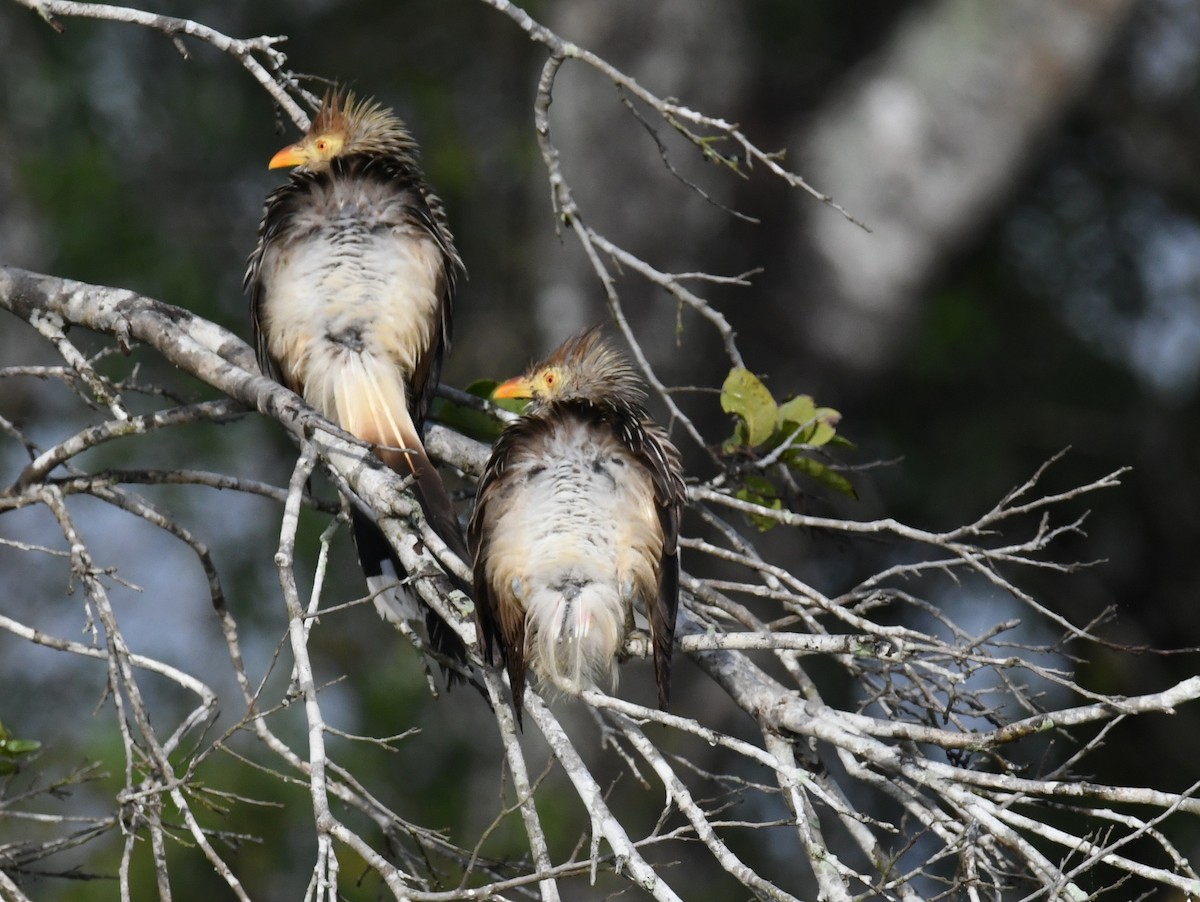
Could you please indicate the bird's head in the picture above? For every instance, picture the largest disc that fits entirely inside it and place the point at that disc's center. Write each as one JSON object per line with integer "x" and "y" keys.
{"x": 584, "y": 368}
{"x": 343, "y": 126}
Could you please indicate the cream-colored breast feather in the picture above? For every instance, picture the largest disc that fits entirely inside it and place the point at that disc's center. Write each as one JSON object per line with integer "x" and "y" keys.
{"x": 350, "y": 300}
{"x": 574, "y": 541}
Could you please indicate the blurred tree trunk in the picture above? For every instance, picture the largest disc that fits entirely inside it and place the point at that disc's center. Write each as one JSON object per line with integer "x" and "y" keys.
{"x": 921, "y": 144}
{"x": 693, "y": 49}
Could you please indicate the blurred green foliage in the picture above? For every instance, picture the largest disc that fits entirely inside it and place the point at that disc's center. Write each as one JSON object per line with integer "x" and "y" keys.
{"x": 14, "y": 750}
{"x": 471, "y": 421}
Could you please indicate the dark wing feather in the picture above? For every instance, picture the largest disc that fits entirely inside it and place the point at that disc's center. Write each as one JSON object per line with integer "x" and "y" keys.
{"x": 498, "y": 634}
{"x": 486, "y": 627}
{"x": 277, "y": 212}
{"x": 499, "y": 623}
{"x": 431, "y": 494}
{"x": 653, "y": 448}
{"x": 427, "y": 213}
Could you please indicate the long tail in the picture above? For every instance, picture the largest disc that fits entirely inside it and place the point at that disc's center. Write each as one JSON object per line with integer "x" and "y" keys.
{"x": 662, "y": 614}
{"x": 397, "y": 602}
{"x": 431, "y": 494}
{"x": 368, "y": 397}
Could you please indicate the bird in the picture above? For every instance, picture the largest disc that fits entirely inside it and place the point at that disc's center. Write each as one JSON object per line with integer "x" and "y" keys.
{"x": 351, "y": 289}
{"x": 576, "y": 520}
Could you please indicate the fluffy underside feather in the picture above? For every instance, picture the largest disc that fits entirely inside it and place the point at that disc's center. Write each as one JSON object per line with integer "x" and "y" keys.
{"x": 573, "y": 543}
{"x": 357, "y": 287}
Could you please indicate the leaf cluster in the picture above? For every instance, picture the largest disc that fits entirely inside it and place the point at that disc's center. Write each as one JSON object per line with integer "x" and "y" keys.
{"x": 770, "y": 433}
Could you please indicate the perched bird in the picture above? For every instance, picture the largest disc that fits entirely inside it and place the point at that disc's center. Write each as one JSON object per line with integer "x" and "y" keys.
{"x": 351, "y": 289}
{"x": 576, "y": 520}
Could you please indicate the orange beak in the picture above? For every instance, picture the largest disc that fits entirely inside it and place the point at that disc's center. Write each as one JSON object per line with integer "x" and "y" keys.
{"x": 292, "y": 155}
{"x": 517, "y": 387}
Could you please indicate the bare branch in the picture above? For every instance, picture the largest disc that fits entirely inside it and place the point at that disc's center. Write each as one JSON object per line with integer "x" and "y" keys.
{"x": 269, "y": 74}
{"x": 926, "y": 769}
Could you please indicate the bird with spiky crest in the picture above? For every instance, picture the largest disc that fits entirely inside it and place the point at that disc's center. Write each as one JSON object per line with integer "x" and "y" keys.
{"x": 577, "y": 521}
{"x": 351, "y": 296}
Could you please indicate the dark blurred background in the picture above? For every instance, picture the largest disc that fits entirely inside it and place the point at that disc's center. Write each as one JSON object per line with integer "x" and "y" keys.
{"x": 1031, "y": 282}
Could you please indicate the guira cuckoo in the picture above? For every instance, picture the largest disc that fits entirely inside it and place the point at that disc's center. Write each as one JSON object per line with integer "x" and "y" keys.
{"x": 576, "y": 521}
{"x": 351, "y": 289}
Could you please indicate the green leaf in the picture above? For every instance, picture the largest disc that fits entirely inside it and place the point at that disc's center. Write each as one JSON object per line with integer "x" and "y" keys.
{"x": 14, "y": 747}
{"x": 819, "y": 423}
{"x": 483, "y": 388}
{"x": 827, "y": 420}
{"x": 760, "y": 491}
{"x": 737, "y": 441}
{"x": 820, "y": 472}
{"x": 471, "y": 422}
{"x": 11, "y": 749}
{"x": 842, "y": 442}
{"x": 474, "y": 423}
{"x": 744, "y": 395}
{"x": 796, "y": 412}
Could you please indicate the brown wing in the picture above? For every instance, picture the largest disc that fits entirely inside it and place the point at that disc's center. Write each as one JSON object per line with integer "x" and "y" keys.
{"x": 428, "y": 213}
{"x": 277, "y": 212}
{"x": 499, "y": 617}
{"x": 654, "y": 450}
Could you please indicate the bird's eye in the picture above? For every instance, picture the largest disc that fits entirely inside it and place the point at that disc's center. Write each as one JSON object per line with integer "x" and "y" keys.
{"x": 323, "y": 145}
{"x": 549, "y": 377}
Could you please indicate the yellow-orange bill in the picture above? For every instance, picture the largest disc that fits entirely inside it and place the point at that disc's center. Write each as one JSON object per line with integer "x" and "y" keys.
{"x": 289, "y": 156}
{"x": 516, "y": 387}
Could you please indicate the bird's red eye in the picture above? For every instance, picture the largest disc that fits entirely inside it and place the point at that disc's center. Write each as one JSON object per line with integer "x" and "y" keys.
{"x": 322, "y": 145}
{"x": 549, "y": 377}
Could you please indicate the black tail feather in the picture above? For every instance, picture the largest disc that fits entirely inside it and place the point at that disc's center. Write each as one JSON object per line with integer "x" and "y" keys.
{"x": 373, "y": 551}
